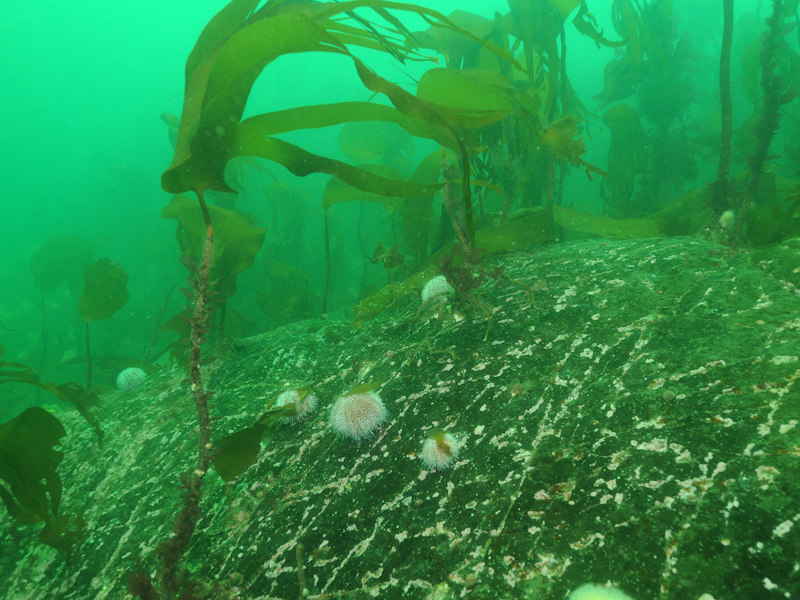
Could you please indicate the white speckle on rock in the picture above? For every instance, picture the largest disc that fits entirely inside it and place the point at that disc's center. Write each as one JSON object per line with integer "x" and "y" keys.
{"x": 656, "y": 445}
{"x": 766, "y": 473}
{"x": 782, "y": 529}
{"x": 724, "y": 421}
{"x": 782, "y": 359}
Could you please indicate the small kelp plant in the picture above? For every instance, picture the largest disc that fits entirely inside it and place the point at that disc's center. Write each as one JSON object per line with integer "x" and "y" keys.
{"x": 232, "y": 51}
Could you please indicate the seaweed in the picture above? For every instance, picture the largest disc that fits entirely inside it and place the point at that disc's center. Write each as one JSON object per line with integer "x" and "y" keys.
{"x": 105, "y": 291}
{"x": 82, "y": 399}
{"x": 775, "y": 95}
{"x": 237, "y": 241}
{"x": 652, "y": 71}
{"x": 28, "y": 463}
{"x": 720, "y": 190}
{"x": 61, "y": 260}
{"x": 236, "y": 45}
{"x": 529, "y": 229}
{"x": 236, "y": 452}
{"x": 507, "y": 132}
{"x": 231, "y": 53}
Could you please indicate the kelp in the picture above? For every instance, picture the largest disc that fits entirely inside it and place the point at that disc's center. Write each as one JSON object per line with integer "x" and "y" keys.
{"x": 586, "y": 23}
{"x": 229, "y": 57}
{"x": 451, "y": 43}
{"x": 237, "y": 241}
{"x": 774, "y": 212}
{"x": 230, "y": 54}
{"x": 719, "y": 190}
{"x": 627, "y": 160}
{"x": 785, "y": 59}
{"x": 623, "y": 74}
{"x": 337, "y": 191}
{"x": 62, "y": 260}
{"x": 474, "y": 97}
{"x": 236, "y": 452}
{"x": 105, "y": 290}
{"x": 28, "y": 463}
{"x": 531, "y": 229}
{"x": 776, "y": 94}
{"x": 561, "y": 140}
{"x": 653, "y": 71}
{"x": 531, "y": 89}
{"x": 417, "y": 218}
{"x": 381, "y": 142}
{"x": 83, "y": 400}
{"x": 537, "y": 24}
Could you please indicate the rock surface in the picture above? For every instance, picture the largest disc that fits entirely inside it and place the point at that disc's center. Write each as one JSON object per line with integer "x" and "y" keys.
{"x": 637, "y": 425}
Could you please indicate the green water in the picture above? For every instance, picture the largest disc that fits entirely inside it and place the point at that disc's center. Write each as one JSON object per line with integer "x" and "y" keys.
{"x": 589, "y": 119}
{"x": 83, "y": 149}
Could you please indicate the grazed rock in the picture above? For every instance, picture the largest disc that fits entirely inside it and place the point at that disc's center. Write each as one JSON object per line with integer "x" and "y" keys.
{"x": 638, "y": 425}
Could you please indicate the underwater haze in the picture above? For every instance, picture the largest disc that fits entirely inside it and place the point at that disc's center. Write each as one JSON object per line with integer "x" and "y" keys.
{"x": 364, "y": 298}
{"x": 85, "y": 86}
{"x": 83, "y": 146}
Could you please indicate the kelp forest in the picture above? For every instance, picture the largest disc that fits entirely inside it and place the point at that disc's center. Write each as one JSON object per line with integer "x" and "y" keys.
{"x": 440, "y": 143}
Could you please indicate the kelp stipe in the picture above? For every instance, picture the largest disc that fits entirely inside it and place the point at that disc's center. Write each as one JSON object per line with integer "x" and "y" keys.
{"x": 231, "y": 53}
{"x": 172, "y": 580}
{"x": 775, "y": 96}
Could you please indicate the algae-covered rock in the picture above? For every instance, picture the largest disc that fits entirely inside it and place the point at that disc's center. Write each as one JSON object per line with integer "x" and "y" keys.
{"x": 638, "y": 424}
